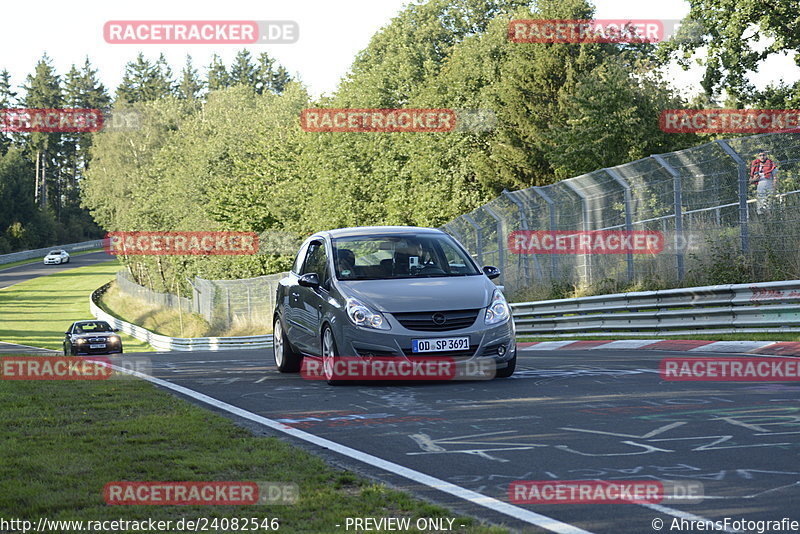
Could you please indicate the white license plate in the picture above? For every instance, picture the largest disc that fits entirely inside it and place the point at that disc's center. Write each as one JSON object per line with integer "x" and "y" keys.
{"x": 440, "y": 345}
{"x": 101, "y": 346}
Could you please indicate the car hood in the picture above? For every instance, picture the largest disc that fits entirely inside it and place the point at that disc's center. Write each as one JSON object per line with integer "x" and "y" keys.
{"x": 421, "y": 294}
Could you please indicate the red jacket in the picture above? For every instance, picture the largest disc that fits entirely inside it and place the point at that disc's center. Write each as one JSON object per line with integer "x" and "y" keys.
{"x": 767, "y": 167}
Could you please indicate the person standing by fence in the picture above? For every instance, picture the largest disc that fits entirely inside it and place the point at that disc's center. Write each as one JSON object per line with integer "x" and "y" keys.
{"x": 763, "y": 172}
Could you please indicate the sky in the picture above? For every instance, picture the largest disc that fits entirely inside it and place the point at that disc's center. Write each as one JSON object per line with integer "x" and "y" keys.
{"x": 331, "y": 33}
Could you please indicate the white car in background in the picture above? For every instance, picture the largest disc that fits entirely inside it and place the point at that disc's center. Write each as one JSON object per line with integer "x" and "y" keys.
{"x": 56, "y": 257}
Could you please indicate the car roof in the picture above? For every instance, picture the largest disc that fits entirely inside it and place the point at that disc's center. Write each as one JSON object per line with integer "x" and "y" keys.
{"x": 374, "y": 231}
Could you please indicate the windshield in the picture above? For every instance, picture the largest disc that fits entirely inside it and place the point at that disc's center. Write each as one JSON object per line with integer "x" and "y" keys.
{"x": 399, "y": 256}
{"x": 90, "y": 328}
{"x": 55, "y": 253}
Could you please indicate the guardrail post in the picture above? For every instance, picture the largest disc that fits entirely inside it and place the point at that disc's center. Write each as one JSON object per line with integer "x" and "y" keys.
{"x": 628, "y": 218}
{"x": 744, "y": 232}
{"x": 551, "y": 209}
{"x": 478, "y": 237}
{"x": 587, "y": 258}
{"x": 679, "y": 241}
{"x": 501, "y": 243}
{"x": 523, "y": 222}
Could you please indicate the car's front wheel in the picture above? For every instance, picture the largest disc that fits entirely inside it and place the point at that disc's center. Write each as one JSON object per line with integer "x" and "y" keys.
{"x": 508, "y": 370}
{"x": 286, "y": 359}
{"x": 329, "y": 355}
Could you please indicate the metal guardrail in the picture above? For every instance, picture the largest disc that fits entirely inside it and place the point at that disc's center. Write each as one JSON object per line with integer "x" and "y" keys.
{"x": 42, "y": 252}
{"x": 723, "y": 309}
{"x": 165, "y": 343}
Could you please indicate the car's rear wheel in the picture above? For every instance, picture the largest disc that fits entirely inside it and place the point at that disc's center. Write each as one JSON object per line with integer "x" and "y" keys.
{"x": 286, "y": 359}
{"x": 329, "y": 355}
{"x": 508, "y": 370}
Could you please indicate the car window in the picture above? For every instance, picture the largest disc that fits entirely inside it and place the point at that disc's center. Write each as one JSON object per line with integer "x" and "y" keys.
{"x": 90, "y": 328}
{"x": 399, "y": 256}
{"x": 298, "y": 261}
{"x": 317, "y": 262}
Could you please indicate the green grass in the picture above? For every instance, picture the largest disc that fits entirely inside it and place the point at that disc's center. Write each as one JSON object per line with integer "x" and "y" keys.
{"x": 38, "y": 260}
{"x": 39, "y": 311}
{"x": 63, "y": 441}
{"x": 715, "y": 337}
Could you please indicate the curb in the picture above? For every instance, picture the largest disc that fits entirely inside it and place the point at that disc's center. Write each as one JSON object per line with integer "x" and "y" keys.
{"x": 780, "y": 348}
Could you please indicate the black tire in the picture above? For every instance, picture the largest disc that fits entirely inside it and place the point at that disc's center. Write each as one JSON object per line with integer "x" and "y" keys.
{"x": 334, "y": 352}
{"x": 286, "y": 359}
{"x": 67, "y": 261}
{"x": 66, "y": 352}
{"x": 508, "y": 370}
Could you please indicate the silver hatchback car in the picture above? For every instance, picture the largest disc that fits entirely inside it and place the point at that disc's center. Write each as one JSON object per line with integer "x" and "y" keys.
{"x": 391, "y": 291}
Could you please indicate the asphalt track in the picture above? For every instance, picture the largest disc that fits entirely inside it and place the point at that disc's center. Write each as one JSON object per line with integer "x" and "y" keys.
{"x": 29, "y": 271}
{"x": 565, "y": 415}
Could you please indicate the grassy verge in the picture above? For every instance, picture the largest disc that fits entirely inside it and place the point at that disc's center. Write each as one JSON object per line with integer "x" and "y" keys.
{"x": 714, "y": 337}
{"x": 169, "y": 321}
{"x": 38, "y": 260}
{"x": 164, "y": 321}
{"x": 39, "y": 311}
{"x": 63, "y": 441}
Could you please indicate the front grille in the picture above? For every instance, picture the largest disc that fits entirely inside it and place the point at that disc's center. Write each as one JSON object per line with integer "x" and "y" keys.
{"x": 374, "y": 353}
{"x": 425, "y": 321}
{"x": 97, "y": 340}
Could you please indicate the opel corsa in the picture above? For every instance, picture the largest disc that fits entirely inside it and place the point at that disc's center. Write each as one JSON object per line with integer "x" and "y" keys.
{"x": 390, "y": 291}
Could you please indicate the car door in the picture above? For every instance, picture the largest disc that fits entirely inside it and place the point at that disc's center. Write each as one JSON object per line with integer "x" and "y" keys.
{"x": 311, "y": 299}
{"x": 290, "y": 296}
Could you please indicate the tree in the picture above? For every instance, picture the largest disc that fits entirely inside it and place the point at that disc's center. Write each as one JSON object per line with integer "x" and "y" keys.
{"x": 737, "y": 35}
{"x": 243, "y": 72}
{"x": 144, "y": 81}
{"x": 190, "y": 86}
{"x": 217, "y": 74}
{"x": 43, "y": 90}
{"x": 7, "y": 99}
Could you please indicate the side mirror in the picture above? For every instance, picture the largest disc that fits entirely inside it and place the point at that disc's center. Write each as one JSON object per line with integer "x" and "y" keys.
{"x": 67, "y": 333}
{"x": 309, "y": 280}
{"x": 491, "y": 271}
{"x": 115, "y": 329}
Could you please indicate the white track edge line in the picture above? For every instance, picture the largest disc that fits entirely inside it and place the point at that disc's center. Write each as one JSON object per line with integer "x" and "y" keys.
{"x": 496, "y": 505}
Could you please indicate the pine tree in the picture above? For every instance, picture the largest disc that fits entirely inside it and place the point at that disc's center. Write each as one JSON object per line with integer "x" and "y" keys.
{"x": 7, "y": 100}
{"x": 82, "y": 89}
{"x": 144, "y": 81}
{"x": 243, "y": 72}
{"x": 217, "y": 75}
{"x": 190, "y": 86}
{"x": 280, "y": 79}
{"x": 43, "y": 90}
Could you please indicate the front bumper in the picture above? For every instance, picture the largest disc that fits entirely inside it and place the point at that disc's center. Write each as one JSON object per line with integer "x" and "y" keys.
{"x": 495, "y": 342}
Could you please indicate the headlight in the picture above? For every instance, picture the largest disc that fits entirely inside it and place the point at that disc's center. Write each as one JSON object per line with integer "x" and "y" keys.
{"x": 80, "y": 340}
{"x": 498, "y": 310}
{"x": 360, "y": 315}
{"x": 113, "y": 339}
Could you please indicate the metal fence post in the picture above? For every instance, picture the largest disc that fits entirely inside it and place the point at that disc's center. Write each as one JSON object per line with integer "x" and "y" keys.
{"x": 501, "y": 243}
{"x": 551, "y": 209}
{"x": 679, "y": 241}
{"x": 478, "y": 237}
{"x": 628, "y": 217}
{"x": 523, "y": 222}
{"x": 744, "y": 232}
{"x": 587, "y": 258}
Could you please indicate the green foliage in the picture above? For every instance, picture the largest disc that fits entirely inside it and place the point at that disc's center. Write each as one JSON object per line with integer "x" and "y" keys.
{"x": 735, "y": 36}
{"x": 236, "y": 159}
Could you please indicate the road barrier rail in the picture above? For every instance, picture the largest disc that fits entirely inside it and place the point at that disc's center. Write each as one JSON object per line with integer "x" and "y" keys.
{"x": 772, "y": 307}
{"x": 42, "y": 252}
{"x": 165, "y": 343}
